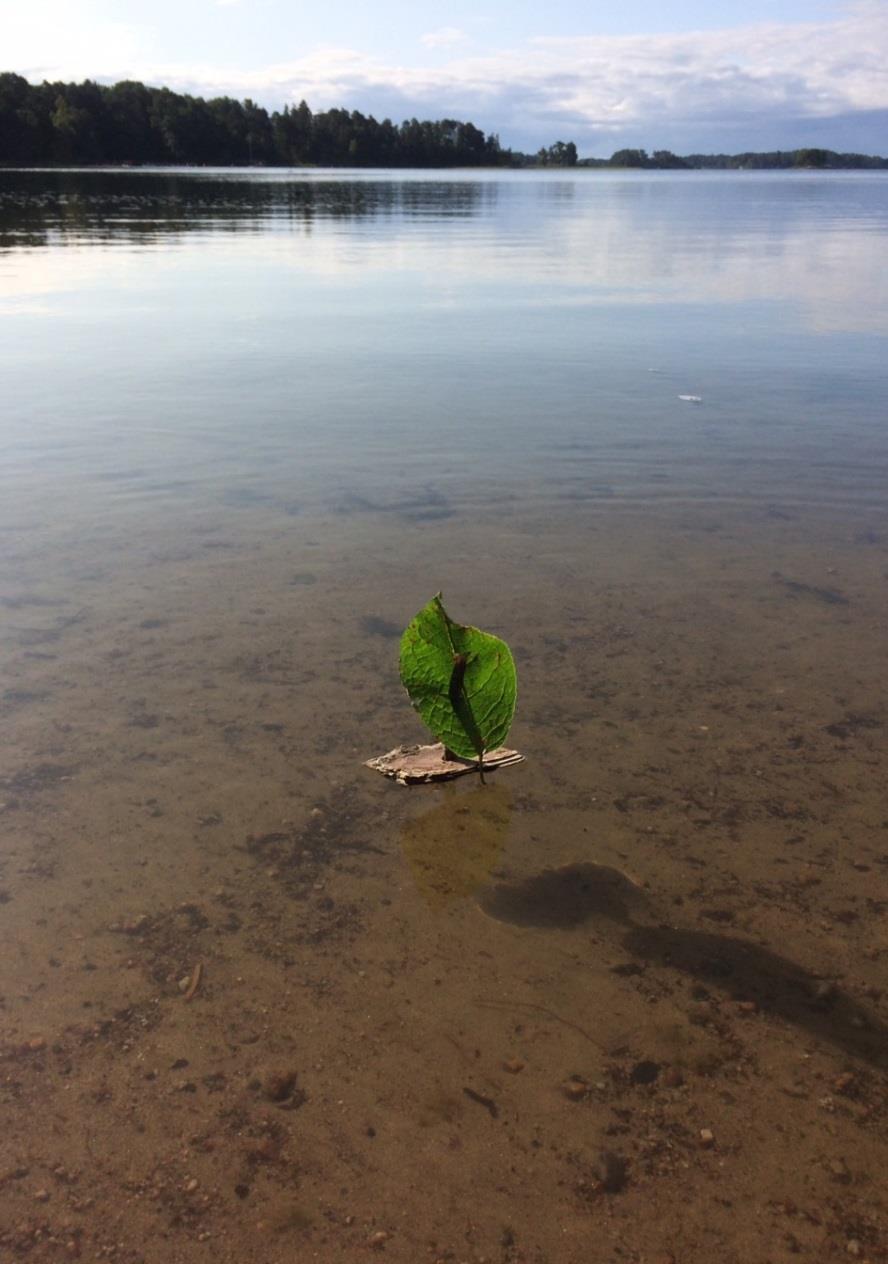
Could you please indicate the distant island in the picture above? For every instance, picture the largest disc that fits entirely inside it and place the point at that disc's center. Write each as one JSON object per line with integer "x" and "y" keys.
{"x": 131, "y": 124}
{"x": 774, "y": 160}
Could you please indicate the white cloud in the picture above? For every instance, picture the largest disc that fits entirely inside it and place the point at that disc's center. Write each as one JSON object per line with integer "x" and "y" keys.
{"x": 445, "y": 37}
{"x": 744, "y": 80}
{"x": 602, "y": 84}
{"x": 45, "y": 44}
{"x": 812, "y": 68}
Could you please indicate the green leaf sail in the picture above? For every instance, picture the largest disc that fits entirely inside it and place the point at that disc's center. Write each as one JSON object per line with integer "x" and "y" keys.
{"x": 460, "y": 680}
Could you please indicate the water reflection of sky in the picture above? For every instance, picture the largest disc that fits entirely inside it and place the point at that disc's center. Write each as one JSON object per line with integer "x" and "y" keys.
{"x": 526, "y": 327}
{"x": 814, "y": 245}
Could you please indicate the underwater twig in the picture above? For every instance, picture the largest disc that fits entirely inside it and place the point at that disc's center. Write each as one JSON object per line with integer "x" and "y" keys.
{"x": 487, "y": 1102}
{"x": 195, "y": 981}
{"x": 540, "y": 1009}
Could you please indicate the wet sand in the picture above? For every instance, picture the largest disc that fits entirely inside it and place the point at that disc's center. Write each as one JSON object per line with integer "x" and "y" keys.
{"x": 625, "y": 1003}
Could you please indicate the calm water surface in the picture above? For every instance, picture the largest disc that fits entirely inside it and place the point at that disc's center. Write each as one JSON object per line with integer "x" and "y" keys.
{"x": 249, "y": 423}
{"x": 356, "y": 333}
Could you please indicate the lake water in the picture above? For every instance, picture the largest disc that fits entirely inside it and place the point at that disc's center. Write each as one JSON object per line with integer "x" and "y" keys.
{"x": 249, "y": 423}
{"x": 342, "y": 334}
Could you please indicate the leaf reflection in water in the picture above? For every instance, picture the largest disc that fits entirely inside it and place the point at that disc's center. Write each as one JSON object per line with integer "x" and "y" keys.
{"x": 453, "y": 849}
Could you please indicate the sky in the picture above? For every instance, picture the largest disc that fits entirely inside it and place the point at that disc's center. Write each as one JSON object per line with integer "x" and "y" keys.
{"x": 688, "y": 75}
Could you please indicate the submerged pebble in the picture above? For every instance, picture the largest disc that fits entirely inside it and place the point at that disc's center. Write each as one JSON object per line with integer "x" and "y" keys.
{"x": 575, "y": 1090}
{"x": 611, "y": 1172}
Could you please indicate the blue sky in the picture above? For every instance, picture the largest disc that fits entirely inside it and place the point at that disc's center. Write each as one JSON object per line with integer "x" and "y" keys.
{"x": 686, "y": 75}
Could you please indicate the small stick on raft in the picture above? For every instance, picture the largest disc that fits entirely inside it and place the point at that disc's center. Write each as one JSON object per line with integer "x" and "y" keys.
{"x": 418, "y": 765}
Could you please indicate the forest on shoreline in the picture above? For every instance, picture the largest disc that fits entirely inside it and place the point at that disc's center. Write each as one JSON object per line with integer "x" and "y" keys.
{"x": 773, "y": 160}
{"x": 132, "y": 124}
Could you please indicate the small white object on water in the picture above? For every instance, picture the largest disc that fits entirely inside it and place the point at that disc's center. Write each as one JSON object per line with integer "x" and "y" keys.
{"x": 692, "y": 399}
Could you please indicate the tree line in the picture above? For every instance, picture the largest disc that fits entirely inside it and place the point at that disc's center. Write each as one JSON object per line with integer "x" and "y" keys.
{"x": 131, "y": 123}
{"x": 775, "y": 160}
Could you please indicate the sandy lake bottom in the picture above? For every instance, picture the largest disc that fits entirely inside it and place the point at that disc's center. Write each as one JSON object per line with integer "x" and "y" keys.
{"x": 626, "y": 1002}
